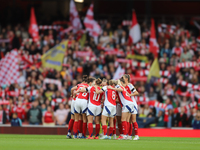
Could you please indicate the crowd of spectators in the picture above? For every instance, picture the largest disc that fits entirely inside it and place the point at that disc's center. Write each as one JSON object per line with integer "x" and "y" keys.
{"x": 51, "y": 106}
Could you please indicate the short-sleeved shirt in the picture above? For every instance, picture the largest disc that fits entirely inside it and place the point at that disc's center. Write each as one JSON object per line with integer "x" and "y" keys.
{"x": 123, "y": 96}
{"x": 94, "y": 98}
{"x": 130, "y": 89}
{"x": 82, "y": 95}
{"x": 110, "y": 96}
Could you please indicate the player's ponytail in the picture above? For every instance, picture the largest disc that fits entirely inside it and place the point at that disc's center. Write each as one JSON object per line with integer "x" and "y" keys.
{"x": 127, "y": 76}
{"x": 85, "y": 78}
{"x": 122, "y": 80}
{"x": 98, "y": 81}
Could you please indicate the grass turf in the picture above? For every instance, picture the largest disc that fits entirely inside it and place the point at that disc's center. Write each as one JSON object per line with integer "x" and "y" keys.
{"x": 59, "y": 142}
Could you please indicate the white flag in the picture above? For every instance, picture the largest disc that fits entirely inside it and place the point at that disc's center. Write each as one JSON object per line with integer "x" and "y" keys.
{"x": 134, "y": 33}
{"x": 74, "y": 18}
{"x": 119, "y": 73}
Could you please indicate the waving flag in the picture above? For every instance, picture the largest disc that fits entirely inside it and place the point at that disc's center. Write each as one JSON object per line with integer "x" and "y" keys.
{"x": 134, "y": 33}
{"x": 119, "y": 73}
{"x": 154, "y": 70}
{"x": 33, "y": 28}
{"x": 9, "y": 68}
{"x": 54, "y": 57}
{"x": 153, "y": 45}
{"x": 91, "y": 25}
{"x": 74, "y": 18}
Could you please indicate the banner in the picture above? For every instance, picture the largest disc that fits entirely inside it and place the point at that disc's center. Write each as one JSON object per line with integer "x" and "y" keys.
{"x": 138, "y": 57}
{"x": 54, "y": 57}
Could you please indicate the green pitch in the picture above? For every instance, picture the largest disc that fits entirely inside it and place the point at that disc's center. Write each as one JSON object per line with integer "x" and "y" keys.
{"x": 58, "y": 142}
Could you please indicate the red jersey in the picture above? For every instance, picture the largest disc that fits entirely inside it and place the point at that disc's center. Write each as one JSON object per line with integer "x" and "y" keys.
{"x": 83, "y": 95}
{"x": 48, "y": 118}
{"x": 123, "y": 96}
{"x": 20, "y": 112}
{"x": 110, "y": 96}
{"x": 79, "y": 86}
{"x": 94, "y": 98}
{"x": 177, "y": 51}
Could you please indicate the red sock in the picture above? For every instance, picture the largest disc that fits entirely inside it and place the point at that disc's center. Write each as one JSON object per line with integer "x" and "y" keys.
{"x": 120, "y": 128}
{"x": 127, "y": 127}
{"x": 110, "y": 131}
{"x": 124, "y": 127}
{"x": 97, "y": 129}
{"x": 135, "y": 125}
{"x": 80, "y": 126}
{"x": 114, "y": 129}
{"x": 75, "y": 129}
{"x": 84, "y": 129}
{"x": 104, "y": 127}
{"x": 70, "y": 126}
{"x": 90, "y": 129}
{"x": 130, "y": 129}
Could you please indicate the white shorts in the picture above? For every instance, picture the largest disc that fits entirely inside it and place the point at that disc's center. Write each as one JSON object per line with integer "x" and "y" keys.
{"x": 130, "y": 108}
{"x": 80, "y": 106}
{"x": 109, "y": 111}
{"x": 72, "y": 107}
{"x": 94, "y": 110}
{"x": 119, "y": 110}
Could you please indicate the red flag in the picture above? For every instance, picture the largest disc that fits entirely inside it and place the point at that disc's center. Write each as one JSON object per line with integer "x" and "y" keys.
{"x": 91, "y": 25}
{"x": 134, "y": 32}
{"x": 153, "y": 45}
{"x": 33, "y": 28}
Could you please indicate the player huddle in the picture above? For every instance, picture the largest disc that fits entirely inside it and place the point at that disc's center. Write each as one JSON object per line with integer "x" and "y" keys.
{"x": 118, "y": 104}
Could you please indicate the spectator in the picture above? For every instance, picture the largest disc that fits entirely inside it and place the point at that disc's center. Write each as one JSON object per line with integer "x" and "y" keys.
{"x": 160, "y": 119}
{"x": 186, "y": 55}
{"x": 2, "y": 115}
{"x": 48, "y": 118}
{"x": 196, "y": 121}
{"x": 181, "y": 118}
{"x": 34, "y": 114}
{"x": 170, "y": 122}
{"x": 16, "y": 122}
{"x": 61, "y": 115}
{"x": 152, "y": 95}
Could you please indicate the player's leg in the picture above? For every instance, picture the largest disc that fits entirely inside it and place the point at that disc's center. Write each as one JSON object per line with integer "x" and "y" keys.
{"x": 80, "y": 126}
{"x": 124, "y": 124}
{"x": 84, "y": 125}
{"x": 128, "y": 125}
{"x": 71, "y": 122}
{"x": 97, "y": 113}
{"x": 90, "y": 116}
{"x": 104, "y": 126}
{"x": 76, "y": 117}
{"x": 130, "y": 129}
{"x": 97, "y": 121}
{"x": 84, "y": 111}
{"x": 135, "y": 125}
{"x": 75, "y": 128}
{"x": 103, "y": 122}
{"x": 111, "y": 122}
{"x": 118, "y": 117}
{"x": 114, "y": 129}
{"x": 90, "y": 126}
